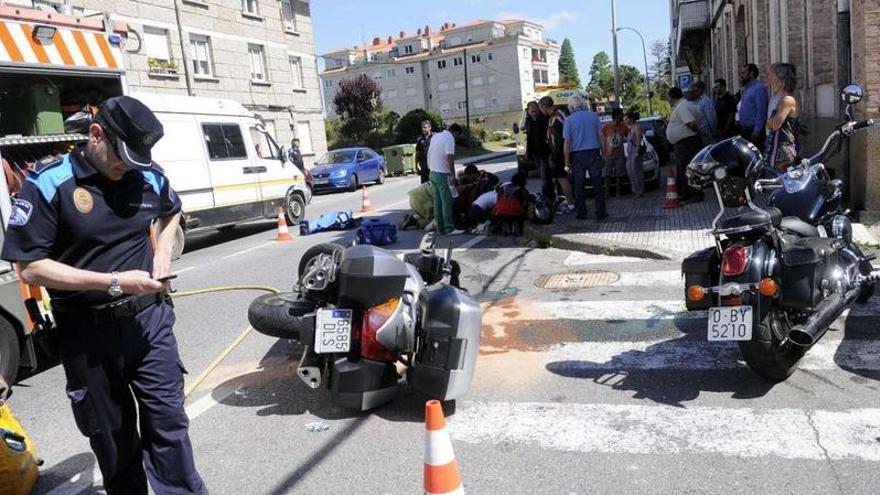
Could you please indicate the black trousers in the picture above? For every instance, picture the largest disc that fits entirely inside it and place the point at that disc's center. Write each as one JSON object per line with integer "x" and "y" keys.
{"x": 759, "y": 140}
{"x": 685, "y": 151}
{"x": 123, "y": 377}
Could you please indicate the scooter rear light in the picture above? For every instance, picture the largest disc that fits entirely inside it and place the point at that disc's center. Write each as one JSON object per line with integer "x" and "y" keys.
{"x": 735, "y": 260}
{"x": 373, "y": 320}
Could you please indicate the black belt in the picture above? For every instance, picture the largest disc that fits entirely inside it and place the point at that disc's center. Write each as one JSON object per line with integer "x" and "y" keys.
{"x": 113, "y": 310}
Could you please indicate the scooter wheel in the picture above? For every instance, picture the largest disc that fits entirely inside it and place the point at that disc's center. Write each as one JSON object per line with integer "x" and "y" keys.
{"x": 280, "y": 315}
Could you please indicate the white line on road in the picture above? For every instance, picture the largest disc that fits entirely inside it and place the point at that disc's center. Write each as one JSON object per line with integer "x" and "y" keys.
{"x": 651, "y": 279}
{"x": 248, "y": 250}
{"x": 635, "y": 429}
{"x": 609, "y": 310}
{"x": 469, "y": 244}
{"x": 178, "y": 272}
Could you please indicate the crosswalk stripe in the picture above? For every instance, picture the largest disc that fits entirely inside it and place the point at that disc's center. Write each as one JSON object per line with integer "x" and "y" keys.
{"x": 637, "y": 429}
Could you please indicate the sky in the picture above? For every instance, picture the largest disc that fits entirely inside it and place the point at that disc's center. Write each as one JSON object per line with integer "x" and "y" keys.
{"x": 587, "y": 23}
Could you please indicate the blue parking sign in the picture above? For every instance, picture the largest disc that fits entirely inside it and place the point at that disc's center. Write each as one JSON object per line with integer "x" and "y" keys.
{"x": 685, "y": 81}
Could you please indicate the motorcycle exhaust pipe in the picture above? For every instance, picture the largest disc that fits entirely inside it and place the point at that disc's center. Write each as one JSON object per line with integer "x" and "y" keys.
{"x": 309, "y": 369}
{"x": 828, "y": 310}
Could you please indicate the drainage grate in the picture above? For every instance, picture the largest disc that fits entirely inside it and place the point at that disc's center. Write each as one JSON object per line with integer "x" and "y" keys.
{"x": 576, "y": 280}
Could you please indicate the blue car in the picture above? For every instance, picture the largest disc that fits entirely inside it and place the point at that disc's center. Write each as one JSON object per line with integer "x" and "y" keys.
{"x": 347, "y": 169}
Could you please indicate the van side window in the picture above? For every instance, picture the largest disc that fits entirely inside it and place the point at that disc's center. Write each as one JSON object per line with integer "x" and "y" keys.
{"x": 224, "y": 141}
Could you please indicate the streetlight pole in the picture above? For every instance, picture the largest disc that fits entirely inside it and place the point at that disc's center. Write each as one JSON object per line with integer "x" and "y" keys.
{"x": 647, "y": 77}
{"x": 614, "y": 42}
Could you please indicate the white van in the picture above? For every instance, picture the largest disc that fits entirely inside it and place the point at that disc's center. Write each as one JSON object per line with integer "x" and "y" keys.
{"x": 223, "y": 164}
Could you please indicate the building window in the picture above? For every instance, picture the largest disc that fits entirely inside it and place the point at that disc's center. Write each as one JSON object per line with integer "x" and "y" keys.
{"x": 389, "y": 73}
{"x": 492, "y": 79}
{"x": 296, "y": 72}
{"x": 477, "y": 81}
{"x": 156, "y": 44}
{"x": 200, "y": 46}
{"x": 462, "y": 105}
{"x": 443, "y": 87}
{"x": 408, "y": 49}
{"x": 494, "y": 102}
{"x": 540, "y": 76}
{"x": 250, "y": 7}
{"x": 288, "y": 15}
{"x": 525, "y": 52}
{"x": 410, "y": 70}
{"x": 489, "y": 56}
{"x": 257, "y": 55}
{"x": 441, "y": 64}
{"x": 476, "y": 59}
{"x": 457, "y": 61}
{"x": 328, "y": 83}
{"x": 224, "y": 141}
{"x": 304, "y": 134}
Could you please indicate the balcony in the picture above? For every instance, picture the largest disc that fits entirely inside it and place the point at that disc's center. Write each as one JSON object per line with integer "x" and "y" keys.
{"x": 693, "y": 23}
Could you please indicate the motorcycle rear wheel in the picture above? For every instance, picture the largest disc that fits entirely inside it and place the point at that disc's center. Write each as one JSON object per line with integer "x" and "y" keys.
{"x": 764, "y": 354}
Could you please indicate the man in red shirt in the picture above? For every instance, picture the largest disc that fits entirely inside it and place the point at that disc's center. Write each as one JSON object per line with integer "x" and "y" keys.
{"x": 613, "y": 136}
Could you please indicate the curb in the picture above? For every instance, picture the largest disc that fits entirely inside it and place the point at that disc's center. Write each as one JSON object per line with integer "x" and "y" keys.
{"x": 599, "y": 246}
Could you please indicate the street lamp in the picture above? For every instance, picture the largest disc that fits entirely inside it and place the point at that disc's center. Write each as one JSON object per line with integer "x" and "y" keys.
{"x": 647, "y": 78}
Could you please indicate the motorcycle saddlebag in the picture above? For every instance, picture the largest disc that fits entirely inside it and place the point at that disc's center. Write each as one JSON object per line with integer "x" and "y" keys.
{"x": 446, "y": 352}
{"x": 701, "y": 268}
{"x": 369, "y": 276}
{"x": 804, "y": 263}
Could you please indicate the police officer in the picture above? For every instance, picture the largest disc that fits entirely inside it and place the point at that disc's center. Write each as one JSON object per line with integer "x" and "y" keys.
{"x": 81, "y": 228}
{"x": 423, "y": 142}
{"x": 295, "y": 155}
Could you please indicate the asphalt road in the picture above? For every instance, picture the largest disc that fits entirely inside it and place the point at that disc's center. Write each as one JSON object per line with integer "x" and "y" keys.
{"x": 609, "y": 388}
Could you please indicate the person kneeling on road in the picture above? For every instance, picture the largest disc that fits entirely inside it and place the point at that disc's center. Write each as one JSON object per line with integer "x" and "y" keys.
{"x": 81, "y": 228}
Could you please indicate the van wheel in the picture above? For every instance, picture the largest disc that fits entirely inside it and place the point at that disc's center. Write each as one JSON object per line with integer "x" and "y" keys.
{"x": 10, "y": 352}
{"x": 381, "y": 178}
{"x": 179, "y": 243}
{"x": 295, "y": 209}
{"x": 353, "y": 183}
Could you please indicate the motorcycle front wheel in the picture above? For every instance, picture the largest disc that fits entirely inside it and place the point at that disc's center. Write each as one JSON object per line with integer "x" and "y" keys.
{"x": 765, "y": 355}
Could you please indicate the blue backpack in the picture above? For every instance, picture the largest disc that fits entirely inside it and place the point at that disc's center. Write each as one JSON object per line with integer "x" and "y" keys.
{"x": 377, "y": 232}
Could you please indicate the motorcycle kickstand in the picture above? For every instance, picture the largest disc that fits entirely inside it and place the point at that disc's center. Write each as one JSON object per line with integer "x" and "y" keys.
{"x": 309, "y": 369}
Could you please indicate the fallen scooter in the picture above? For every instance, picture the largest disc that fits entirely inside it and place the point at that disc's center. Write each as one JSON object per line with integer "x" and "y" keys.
{"x": 370, "y": 322}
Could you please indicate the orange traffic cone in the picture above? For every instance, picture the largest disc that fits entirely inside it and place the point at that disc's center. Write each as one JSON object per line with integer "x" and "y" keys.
{"x": 671, "y": 200}
{"x": 441, "y": 470}
{"x": 367, "y": 207}
{"x": 283, "y": 233}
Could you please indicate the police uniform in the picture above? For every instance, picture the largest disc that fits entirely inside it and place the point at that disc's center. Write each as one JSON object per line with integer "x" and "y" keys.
{"x": 119, "y": 353}
{"x": 422, "y": 144}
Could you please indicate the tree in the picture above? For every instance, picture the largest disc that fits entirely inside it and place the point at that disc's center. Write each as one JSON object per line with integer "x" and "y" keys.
{"x": 410, "y": 125}
{"x": 358, "y": 102}
{"x": 601, "y": 84}
{"x": 568, "y": 72}
{"x": 632, "y": 89}
{"x": 661, "y": 66}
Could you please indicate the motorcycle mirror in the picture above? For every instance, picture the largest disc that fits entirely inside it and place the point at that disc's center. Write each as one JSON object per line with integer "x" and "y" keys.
{"x": 852, "y": 94}
{"x": 427, "y": 243}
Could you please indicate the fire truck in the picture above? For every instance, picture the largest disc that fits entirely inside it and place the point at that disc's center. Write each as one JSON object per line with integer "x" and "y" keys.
{"x": 53, "y": 63}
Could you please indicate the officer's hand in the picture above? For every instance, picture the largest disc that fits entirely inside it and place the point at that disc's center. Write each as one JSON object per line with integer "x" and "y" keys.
{"x": 139, "y": 282}
{"x": 161, "y": 265}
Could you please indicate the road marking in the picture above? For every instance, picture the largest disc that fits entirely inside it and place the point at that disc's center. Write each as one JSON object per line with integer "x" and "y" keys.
{"x": 584, "y": 358}
{"x": 243, "y": 251}
{"x": 610, "y": 310}
{"x": 469, "y": 244}
{"x": 636, "y": 429}
{"x": 178, "y": 272}
{"x": 650, "y": 279}
{"x": 202, "y": 405}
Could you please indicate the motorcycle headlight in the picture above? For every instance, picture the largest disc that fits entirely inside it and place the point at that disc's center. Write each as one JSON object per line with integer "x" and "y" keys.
{"x": 339, "y": 173}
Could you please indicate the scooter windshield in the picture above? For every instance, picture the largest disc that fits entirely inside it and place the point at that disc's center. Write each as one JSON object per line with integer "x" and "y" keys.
{"x": 795, "y": 180}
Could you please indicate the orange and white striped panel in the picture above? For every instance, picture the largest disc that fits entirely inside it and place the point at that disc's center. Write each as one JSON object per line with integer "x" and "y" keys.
{"x": 68, "y": 48}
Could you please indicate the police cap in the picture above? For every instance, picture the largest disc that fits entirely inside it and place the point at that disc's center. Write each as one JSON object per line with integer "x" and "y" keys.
{"x": 132, "y": 127}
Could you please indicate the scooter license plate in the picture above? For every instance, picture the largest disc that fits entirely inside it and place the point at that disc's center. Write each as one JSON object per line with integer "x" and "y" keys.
{"x": 332, "y": 330}
{"x": 730, "y": 323}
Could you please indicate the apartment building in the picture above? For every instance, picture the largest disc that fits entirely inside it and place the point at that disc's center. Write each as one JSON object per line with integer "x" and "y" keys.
{"x": 831, "y": 43}
{"x": 498, "y": 62}
{"x": 257, "y": 52}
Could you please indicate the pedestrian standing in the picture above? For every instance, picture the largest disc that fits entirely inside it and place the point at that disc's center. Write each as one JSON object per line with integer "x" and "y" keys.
{"x": 708, "y": 119}
{"x": 423, "y": 142}
{"x": 752, "y": 106}
{"x": 81, "y": 228}
{"x": 783, "y": 126}
{"x": 537, "y": 151}
{"x": 582, "y": 144}
{"x": 441, "y": 162}
{"x": 613, "y": 136}
{"x": 295, "y": 155}
{"x": 683, "y": 131}
{"x": 725, "y": 110}
{"x": 635, "y": 155}
{"x": 556, "y": 149}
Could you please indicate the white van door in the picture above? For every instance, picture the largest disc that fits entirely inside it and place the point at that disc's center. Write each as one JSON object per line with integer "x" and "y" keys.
{"x": 234, "y": 176}
{"x": 185, "y": 161}
{"x": 279, "y": 174}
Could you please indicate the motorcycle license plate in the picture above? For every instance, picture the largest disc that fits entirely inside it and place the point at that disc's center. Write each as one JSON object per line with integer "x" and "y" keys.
{"x": 730, "y": 323}
{"x": 332, "y": 331}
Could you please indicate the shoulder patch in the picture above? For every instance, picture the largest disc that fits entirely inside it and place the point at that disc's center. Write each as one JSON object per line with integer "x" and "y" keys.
{"x": 50, "y": 178}
{"x": 21, "y": 212}
{"x": 155, "y": 179}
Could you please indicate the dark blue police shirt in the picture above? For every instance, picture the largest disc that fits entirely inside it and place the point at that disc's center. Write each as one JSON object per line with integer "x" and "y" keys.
{"x": 70, "y": 213}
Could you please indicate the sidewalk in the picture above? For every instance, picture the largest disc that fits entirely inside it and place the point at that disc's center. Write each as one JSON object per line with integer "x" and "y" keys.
{"x": 641, "y": 227}
{"x": 486, "y": 157}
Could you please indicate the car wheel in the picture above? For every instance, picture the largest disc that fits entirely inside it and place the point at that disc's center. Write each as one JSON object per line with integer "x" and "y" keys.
{"x": 353, "y": 183}
{"x": 381, "y": 178}
{"x": 295, "y": 208}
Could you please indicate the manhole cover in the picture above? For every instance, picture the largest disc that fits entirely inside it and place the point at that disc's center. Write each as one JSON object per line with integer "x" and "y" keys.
{"x": 576, "y": 280}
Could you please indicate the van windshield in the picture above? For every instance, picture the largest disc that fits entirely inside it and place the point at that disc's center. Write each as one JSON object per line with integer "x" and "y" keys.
{"x": 331, "y": 157}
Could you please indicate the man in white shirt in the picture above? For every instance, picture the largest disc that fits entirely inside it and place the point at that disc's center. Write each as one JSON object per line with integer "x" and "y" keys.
{"x": 441, "y": 154}
{"x": 683, "y": 131}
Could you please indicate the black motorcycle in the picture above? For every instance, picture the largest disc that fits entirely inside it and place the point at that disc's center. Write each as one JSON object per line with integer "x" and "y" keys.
{"x": 779, "y": 275}
{"x": 367, "y": 319}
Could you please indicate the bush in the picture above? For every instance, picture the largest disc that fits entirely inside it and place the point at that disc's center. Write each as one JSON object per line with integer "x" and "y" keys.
{"x": 410, "y": 125}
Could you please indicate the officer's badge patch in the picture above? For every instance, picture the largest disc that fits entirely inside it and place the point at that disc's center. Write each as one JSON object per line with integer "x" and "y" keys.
{"x": 82, "y": 199}
{"x": 21, "y": 212}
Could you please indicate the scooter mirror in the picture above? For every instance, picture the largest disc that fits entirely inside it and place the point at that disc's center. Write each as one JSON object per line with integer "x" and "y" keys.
{"x": 852, "y": 94}
{"x": 427, "y": 243}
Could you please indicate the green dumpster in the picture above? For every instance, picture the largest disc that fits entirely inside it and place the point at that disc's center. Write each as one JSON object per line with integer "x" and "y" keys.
{"x": 400, "y": 159}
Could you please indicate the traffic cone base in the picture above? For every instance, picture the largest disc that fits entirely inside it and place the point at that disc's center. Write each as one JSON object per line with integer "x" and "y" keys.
{"x": 441, "y": 471}
{"x": 366, "y": 207}
{"x": 671, "y": 200}
{"x": 283, "y": 232}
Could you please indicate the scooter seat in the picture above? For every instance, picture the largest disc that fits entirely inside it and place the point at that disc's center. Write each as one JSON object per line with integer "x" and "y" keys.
{"x": 796, "y": 226}
{"x": 753, "y": 218}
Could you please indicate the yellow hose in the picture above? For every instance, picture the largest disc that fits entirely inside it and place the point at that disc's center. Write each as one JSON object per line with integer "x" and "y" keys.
{"x": 235, "y": 343}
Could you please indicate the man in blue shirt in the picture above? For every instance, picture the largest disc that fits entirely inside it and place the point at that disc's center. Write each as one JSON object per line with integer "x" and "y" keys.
{"x": 708, "y": 120}
{"x": 753, "y": 106}
{"x": 582, "y": 144}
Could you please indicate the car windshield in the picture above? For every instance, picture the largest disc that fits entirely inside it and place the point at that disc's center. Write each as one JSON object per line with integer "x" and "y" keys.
{"x": 331, "y": 157}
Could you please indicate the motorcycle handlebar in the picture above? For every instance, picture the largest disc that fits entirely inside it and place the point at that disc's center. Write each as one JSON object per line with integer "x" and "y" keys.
{"x": 863, "y": 124}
